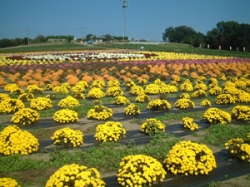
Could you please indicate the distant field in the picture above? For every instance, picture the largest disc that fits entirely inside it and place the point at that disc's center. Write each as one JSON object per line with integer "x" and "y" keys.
{"x": 169, "y": 47}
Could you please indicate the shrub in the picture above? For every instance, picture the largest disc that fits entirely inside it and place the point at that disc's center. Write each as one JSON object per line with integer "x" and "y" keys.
{"x": 186, "y": 86}
{"x": 68, "y": 137}
{"x": 41, "y": 103}
{"x": 224, "y": 99}
{"x": 68, "y": 102}
{"x": 114, "y": 91}
{"x": 13, "y": 140}
{"x": 34, "y": 89}
{"x": 26, "y": 97}
{"x": 184, "y": 96}
{"x": 199, "y": 94}
{"x": 100, "y": 112}
{"x": 109, "y": 131}
{"x": 190, "y": 158}
{"x": 65, "y": 116}
{"x": 240, "y": 112}
{"x": 25, "y": 116}
{"x": 205, "y": 102}
{"x": 140, "y": 170}
{"x": 141, "y": 98}
{"x": 184, "y": 104}
{"x": 121, "y": 100}
{"x": 8, "y": 182}
{"x": 188, "y": 123}
{"x": 132, "y": 109}
{"x": 152, "y": 126}
{"x": 238, "y": 149}
{"x": 95, "y": 93}
{"x": 8, "y": 106}
{"x": 152, "y": 89}
{"x": 215, "y": 115}
{"x": 136, "y": 90}
{"x": 216, "y": 90}
{"x": 60, "y": 89}
{"x": 159, "y": 105}
{"x": 75, "y": 175}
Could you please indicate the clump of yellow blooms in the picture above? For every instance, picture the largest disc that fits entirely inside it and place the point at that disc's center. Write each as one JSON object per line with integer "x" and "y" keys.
{"x": 121, "y": 100}
{"x": 205, "y": 102}
{"x": 240, "y": 112}
{"x": 141, "y": 98}
{"x": 159, "y": 105}
{"x": 77, "y": 176}
{"x": 13, "y": 140}
{"x": 100, "y": 112}
{"x": 25, "y": 116}
{"x": 68, "y": 102}
{"x": 136, "y": 90}
{"x": 98, "y": 84}
{"x": 13, "y": 89}
{"x": 95, "y": 93}
{"x": 186, "y": 86}
{"x": 4, "y": 96}
{"x": 34, "y": 89}
{"x": 200, "y": 86}
{"x": 109, "y": 131}
{"x": 215, "y": 115}
{"x": 61, "y": 89}
{"x": 114, "y": 91}
{"x": 68, "y": 137}
{"x": 188, "y": 123}
{"x": 114, "y": 82}
{"x": 8, "y": 182}
{"x": 238, "y": 149}
{"x": 65, "y": 116}
{"x": 26, "y": 97}
{"x": 152, "y": 126}
{"x": 199, "y": 94}
{"x": 140, "y": 170}
{"x": 77, "y": 89}
{"x": 242, "y": 97}
{"x": 48, "y": 87}
{"x": 132, "y": 109}
{"x": 184, "y": 104}
{"x": 10, "y": 105}
{"x": 216, "y": 90}
{"x": 189, "y": 158}
{"x": 184, "y": 96}
{"x": 152, "y": 89}
{"x": 224, "y": 99}
{"x": 41, "y": 103}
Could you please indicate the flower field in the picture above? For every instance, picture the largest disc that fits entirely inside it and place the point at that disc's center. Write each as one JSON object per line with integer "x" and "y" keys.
{"x": 123, "y": 118}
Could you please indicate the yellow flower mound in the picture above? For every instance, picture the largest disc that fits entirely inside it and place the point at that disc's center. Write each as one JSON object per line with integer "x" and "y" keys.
{"x": 140, "y": 170}
{"x": 25, "y": 116}
{"x": 95, "y": 93}
{"x": 65, "y": 116}
{"x": 152, "y": 126}
{"x": 41, "y": 103}
{"x": 240, "y": 112}
{"x": 114, "y": 91}
{"x": 205, "y": 102}
{"x": 34, "y": 89}
{"x": 224, "y": 99}
{"x": 77, "y": 89}
{"x": 215, "y": 115}
{"x": 68, "y": 102}
{"x": 159, "y": 104}
{"x": 121, "y": 100}
{"x": 142, "y": 98}
{"x": 8, "y": 182}
{"x": 26, "y": 97}
{"x": 184, "y": 104}
{"x": 152, "y": 89}
{"x": 13, "y": 89}
{"x": 109, "y": 131}
{"x": 136, "y": 90}
{"x": 13, "y": 140}
{"x": 188, "y": 123}
{"x": 132, "y": 109}
{"x": 8, "y": 106}
{"x": 61, "y": 89}
{"x": 186, "y": 86}
{"x": 4, "y": 96}
{"x": 100, "y": 112}
{"x": 77, "y": 176}
{"x": 190, "y": 158}
{"x": 68, "y": 137}
{"x": 238, "y": 149}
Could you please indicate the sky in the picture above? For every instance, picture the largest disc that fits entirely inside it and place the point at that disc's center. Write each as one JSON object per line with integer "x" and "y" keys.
{"x": 144, "y": 19}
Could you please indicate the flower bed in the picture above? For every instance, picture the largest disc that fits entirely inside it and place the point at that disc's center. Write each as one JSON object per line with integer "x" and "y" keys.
{"x": 25, "y": 116}
{"x": 41, "y": 103}
{"x": 68, "y": 102}
{"x": 188, "y": 123}
{"x": 159, "y": 105}
{"x": 240, "y": 112}
{"x": 153, "y": 126}
{"x": 65, "y": 116}
{"x": 131, "y": 110}
{"x": 8, "y": 182}
{"x": 215, "y": 115}
{"x": 100, "y": 112}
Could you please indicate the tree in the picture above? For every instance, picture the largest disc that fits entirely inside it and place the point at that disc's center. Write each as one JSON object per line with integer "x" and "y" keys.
{"x": 89, "y": 37}
{"x": 39, "y": 39}
{"x": 5, "y": 43}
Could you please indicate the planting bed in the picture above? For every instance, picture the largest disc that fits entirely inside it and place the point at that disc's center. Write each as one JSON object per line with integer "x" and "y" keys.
{"x": 161, "y": 76}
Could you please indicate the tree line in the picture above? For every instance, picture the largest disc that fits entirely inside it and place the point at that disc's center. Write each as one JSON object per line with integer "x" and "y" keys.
{"x": 227, "y": 36}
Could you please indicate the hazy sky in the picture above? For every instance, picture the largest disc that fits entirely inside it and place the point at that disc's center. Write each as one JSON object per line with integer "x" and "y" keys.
{"x": 145, "y": 19}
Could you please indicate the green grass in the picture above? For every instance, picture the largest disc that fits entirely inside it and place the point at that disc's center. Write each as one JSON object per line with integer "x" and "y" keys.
{"x": 169, "y": 47}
